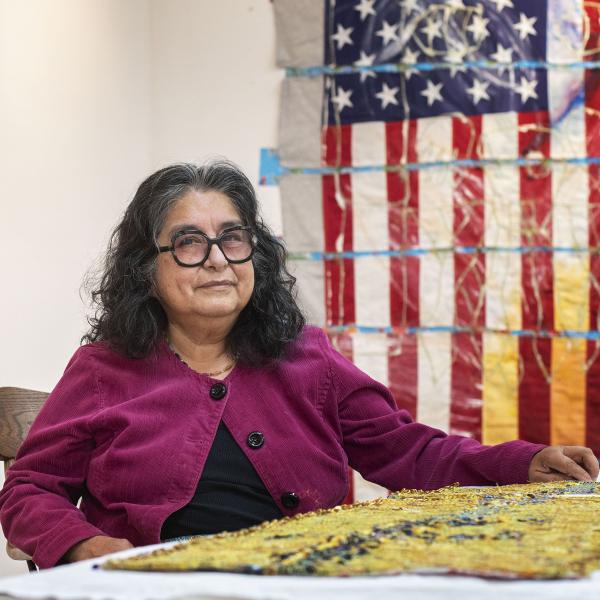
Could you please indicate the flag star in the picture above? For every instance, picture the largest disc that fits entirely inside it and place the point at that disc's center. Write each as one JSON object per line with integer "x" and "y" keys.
{"x": 365, "y": 8}
{"x": 502, "y": 54}
{"x": 456, "y": 55}
{"x": 432, "y": 30}
{"x": 342, "y": 99}
{"x": 387, "y": 95}
{"x": 365, "y": 60}
{"x": 387, "y": 32}
{"x": 342, "y": 36}
{"x": 433, "y": 92}
{"x": 478, "y": 91}
{"x": 526, "y": 89}
{"x": 525, "y": 26}
{"x": 410, "y": 5}
{"x": 502, "y": 4}
{"x": 478, "y": 27}
{"x": 410, "y": 58}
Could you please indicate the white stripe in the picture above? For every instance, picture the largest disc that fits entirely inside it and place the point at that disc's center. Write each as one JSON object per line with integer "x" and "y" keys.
{"x": 503, "y": 291}
{"x": 436, "y": 289}
{"x": 434, "y": 139}
{"x": 502, "y": 223}
{"x": 436, "y": 211}
{"x": 370, "y": 232}
{"x": 570, "y": 205}
{"x": 370, "y": 354}
{"x": 570, "y": 229}
{"x": 499, "y": 136}
{"x": 434, "y": 364}
{"x": 369, "y": 144}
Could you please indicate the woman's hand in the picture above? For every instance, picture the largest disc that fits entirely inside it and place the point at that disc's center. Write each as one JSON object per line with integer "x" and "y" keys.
{"x": 563, "y": 462}
{"x": 93, "y": 547}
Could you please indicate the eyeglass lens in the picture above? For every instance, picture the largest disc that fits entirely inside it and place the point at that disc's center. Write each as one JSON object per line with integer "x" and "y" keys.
{"x": 193, "y": 248}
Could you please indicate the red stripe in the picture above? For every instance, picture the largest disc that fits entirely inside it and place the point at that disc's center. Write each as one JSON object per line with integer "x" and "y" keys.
{"x": 537, "y": 281}
{"x": 339, "y": 273}
{"x": 402, "y": 371}
{"x": 338, "y": 143}
{"x": 342, "y": 342}
{"x": 469, "y": 277}
{"x": 403, "y": 232}
{"x": 403, "y": 223}
{"x": 592, "y": 124}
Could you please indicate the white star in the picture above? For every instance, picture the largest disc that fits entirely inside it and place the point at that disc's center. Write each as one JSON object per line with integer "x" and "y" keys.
{"x": 502, "y": 4}
{"x": 387, "y": 95}
{"x": 410, "y": 58}
{"x": 502, "y": 55}
{"x": 387, "y": 32}
{"x": 410, "y": 5}
{"x": 525, "y": 26}
{"x": 365, "y": 60}
{"x": 433, "y": 92}
{"x": 432, "y": 30}
{"x": 478, "y": 91}
{"x": 456, "y": 55}
{"x": 526, "y": 89}
{"x": 342, "y": 36}
{"x": 342, "y": 99}
{"x": 478, "y": 27}
{"x": 365, "y": 8}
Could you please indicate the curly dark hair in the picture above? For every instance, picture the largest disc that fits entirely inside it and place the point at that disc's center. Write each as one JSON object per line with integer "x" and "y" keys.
{"x": 132, "y": 321}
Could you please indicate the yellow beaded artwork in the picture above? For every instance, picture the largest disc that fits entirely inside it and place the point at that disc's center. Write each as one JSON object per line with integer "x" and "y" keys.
{"x": 533, "y": 531}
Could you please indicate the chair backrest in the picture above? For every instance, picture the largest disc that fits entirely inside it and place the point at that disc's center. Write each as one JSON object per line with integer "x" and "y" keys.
{"x": 18, "y": 409}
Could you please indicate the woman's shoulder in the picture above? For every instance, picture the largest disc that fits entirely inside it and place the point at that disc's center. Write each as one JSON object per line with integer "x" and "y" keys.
{"x": 101, "y": 355}
{"x": 310, "y": 339}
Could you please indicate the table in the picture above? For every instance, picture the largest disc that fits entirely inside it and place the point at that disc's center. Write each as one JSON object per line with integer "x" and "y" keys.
{"x": 81, "y": 581}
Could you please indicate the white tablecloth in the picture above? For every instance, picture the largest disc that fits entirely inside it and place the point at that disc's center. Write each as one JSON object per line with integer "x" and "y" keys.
{"x": 81, "y": 581}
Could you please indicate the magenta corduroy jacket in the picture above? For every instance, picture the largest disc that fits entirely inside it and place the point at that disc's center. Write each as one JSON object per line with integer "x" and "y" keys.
{"x": 130, "y": 436}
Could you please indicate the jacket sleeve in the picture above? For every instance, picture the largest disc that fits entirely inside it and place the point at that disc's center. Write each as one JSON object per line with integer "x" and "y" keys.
{"x": 387, "y": 447}
{"x": 37, "y": 503}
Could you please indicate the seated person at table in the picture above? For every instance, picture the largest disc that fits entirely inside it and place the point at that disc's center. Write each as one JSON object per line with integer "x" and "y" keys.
{"x": 201, "y": 401}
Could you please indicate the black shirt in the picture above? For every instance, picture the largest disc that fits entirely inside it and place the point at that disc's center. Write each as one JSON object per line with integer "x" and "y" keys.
{"x": 230, "y": 494}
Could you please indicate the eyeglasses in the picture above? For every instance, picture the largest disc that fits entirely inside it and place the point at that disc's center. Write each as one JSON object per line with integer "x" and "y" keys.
{"x": 191, "y": 247}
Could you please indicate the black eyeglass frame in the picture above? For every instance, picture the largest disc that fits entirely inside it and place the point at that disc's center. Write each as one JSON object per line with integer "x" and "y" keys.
{"x": 211, "y": 241}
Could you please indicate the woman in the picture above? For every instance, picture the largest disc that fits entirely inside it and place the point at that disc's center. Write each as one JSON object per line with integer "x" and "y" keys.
{"x": 202, "y": 403}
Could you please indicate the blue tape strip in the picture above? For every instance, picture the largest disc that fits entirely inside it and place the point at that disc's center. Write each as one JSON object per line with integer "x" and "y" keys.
{"x": 271, "y": 169}
{"x": 589, "y": 335}
{"x": 318, "y": 70}
{"x": 453, "y": 249}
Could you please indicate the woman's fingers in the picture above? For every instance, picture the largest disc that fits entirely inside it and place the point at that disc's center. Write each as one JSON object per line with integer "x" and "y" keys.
{"x": 556, "y": 463}
{"x": 584, "y": 457}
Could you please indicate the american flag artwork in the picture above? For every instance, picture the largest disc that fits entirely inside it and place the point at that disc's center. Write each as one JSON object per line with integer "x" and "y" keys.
{"x": 440, "y": 187}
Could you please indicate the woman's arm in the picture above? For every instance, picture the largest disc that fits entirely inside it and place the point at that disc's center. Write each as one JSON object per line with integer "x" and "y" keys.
{"x": 387, "y": 447}
{"x": 37, "y": 503}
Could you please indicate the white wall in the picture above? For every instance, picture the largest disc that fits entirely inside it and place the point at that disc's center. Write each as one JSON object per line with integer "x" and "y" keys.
{"x": 94, "y": 96}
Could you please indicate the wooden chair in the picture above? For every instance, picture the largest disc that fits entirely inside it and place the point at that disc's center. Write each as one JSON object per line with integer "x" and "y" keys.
{"x": 18, "y": 409}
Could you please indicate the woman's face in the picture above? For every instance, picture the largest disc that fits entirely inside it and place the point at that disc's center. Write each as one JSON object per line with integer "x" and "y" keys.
{"x": 216, "y": 289}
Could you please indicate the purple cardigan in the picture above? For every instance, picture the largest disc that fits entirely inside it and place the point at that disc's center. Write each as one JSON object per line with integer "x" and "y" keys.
{"x": 131, "y": 437}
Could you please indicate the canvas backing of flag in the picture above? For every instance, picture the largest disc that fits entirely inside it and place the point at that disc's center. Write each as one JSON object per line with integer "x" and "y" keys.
{"x": 441, "y": 204}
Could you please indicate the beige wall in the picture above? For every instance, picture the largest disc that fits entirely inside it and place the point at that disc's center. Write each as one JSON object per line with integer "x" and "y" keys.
{"x": 94, "y": 95}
